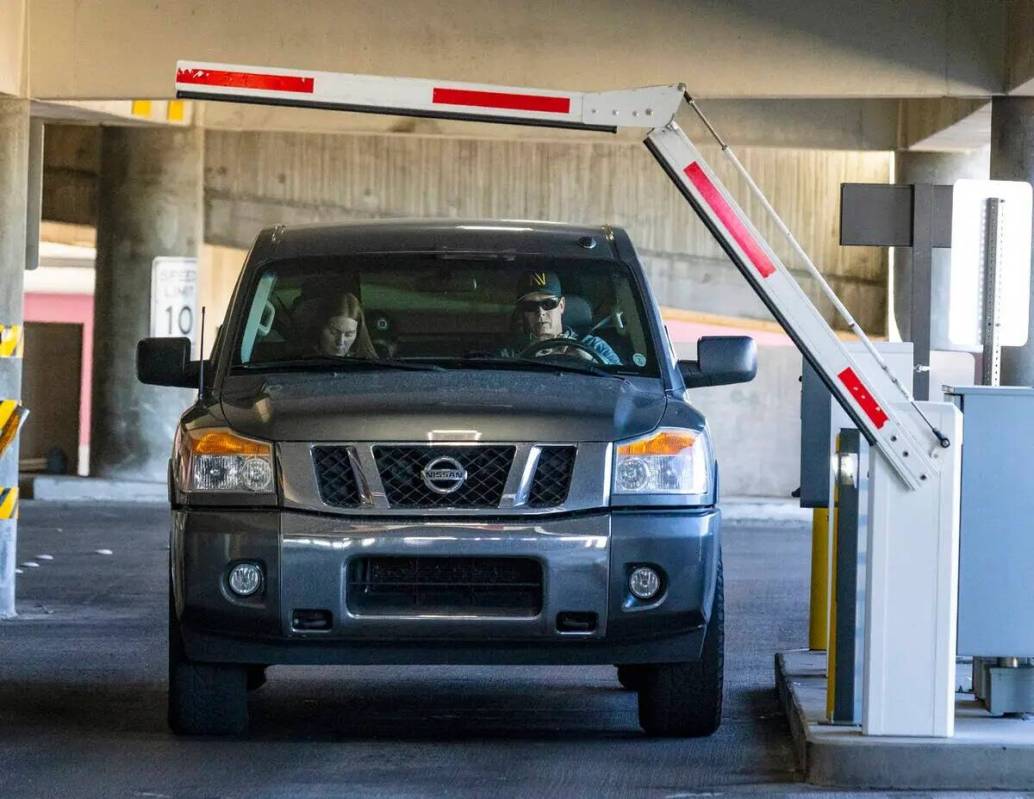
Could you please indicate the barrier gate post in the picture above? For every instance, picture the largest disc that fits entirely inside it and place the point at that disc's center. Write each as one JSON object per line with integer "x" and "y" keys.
{"x": 918, "y": 464}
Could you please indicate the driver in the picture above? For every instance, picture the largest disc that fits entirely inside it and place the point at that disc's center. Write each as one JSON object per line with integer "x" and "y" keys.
{"x": 540, "y": 305}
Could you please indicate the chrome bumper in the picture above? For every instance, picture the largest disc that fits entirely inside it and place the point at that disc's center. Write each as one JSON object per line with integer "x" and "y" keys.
{"x": 573, "y": 554}
{"x": 585, "y": 560}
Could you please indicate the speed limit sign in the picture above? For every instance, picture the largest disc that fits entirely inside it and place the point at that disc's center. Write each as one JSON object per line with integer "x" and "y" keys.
{"x": 174, "y": 298}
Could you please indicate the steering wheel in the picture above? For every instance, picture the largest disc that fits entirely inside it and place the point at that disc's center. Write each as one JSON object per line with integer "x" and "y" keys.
{"x": 533, "y": 349}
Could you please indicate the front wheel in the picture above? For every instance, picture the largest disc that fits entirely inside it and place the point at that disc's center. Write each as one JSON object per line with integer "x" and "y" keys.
{"x": 204, "y": 698}
{"x": 631, "y": 677}
{"x": 685, "y": 699}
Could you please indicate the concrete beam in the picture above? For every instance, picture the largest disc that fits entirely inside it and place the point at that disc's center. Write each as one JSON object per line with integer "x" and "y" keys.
{"x": 14, "y": 16}
{"x": 71, "y": 163}
{"x": 1019, "y": 57}
{"x": 944, "y": 125}
{"x": 809, "y": 124}
{"x": 737, "y": 48}
{"x": 177, "y": 113}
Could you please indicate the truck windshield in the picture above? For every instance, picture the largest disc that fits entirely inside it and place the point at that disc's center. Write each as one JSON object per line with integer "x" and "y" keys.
{"x": 452, "y": 311}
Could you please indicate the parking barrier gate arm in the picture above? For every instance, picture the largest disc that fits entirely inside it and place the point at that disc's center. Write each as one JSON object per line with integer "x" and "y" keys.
{"x": 898, "y": 429}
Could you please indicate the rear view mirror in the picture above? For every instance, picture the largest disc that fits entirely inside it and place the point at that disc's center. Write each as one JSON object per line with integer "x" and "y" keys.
{"x": 721, "y": 360}
{"x": 166, "y": 362}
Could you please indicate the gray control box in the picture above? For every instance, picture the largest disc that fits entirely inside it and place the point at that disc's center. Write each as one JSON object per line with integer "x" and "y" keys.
{"x": 996, "y": 558}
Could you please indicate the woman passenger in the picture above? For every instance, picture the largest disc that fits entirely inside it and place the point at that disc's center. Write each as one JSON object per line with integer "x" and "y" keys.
{"x": 343, "y": 331}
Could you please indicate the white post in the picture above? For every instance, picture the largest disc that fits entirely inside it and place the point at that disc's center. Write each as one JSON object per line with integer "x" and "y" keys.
{"x": 912, "y": 593}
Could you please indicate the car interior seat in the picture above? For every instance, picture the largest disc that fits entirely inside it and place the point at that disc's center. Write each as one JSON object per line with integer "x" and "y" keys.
{"x": 577, "y": 314}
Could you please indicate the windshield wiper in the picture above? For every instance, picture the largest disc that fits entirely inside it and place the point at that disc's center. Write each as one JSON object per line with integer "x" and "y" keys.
{"x": 343, "y": 363}
{"x": 522, "y": 364}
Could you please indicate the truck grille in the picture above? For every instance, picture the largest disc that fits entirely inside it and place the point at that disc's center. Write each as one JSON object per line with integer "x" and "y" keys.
{"x": 404, "y": 586}
{"x": 401, "y": 468}
{"x": 335, "y": 477}
{"x": 552, "y": 477}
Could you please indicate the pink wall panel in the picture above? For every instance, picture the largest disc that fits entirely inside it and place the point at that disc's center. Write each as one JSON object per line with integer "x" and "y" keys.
{"x": 77, "y": 309}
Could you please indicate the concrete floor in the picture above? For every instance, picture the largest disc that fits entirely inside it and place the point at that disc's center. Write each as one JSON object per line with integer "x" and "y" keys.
{"x": 82, "y": 695}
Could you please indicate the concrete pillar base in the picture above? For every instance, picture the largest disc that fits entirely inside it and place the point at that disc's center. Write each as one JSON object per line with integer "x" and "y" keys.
{"x": 14, "y": 177}
{"x": 149, "y": 205}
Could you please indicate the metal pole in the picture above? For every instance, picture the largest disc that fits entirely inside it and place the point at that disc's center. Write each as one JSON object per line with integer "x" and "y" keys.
{"x": 991, "y": 363}
{"x": 35, "y": 194}
{"x": 846, "y": 676}
{"x": 818, "y": 616}
{"x": 922, "y": 286}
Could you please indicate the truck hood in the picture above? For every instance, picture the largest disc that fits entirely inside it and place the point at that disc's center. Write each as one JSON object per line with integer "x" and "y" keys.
{"x": 408, "y": 406}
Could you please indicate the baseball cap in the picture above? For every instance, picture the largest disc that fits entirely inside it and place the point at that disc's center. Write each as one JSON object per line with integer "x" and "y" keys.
{"x": 538, "y": 285}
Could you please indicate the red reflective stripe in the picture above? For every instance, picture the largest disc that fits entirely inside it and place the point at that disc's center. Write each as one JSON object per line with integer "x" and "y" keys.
{"x": 513, "y": 102}
{"x": 863, "y": 397}
{"x": 730, "y": 219}
{"x": 246, "y": 80}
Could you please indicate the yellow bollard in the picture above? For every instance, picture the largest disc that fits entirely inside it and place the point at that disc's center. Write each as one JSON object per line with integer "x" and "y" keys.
{"x": 831, "y": 642}
{"x": 818, "y": 626}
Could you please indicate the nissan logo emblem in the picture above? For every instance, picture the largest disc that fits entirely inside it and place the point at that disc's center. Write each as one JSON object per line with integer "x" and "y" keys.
{"x": 444, "y": 475}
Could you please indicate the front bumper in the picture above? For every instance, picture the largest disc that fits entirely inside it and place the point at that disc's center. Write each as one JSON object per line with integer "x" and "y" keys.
{"x": 585, "y": 561}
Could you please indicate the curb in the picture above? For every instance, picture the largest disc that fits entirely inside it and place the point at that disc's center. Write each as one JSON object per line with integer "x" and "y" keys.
{"x": 65, "y": 488}
{"x": 841, "y": 757}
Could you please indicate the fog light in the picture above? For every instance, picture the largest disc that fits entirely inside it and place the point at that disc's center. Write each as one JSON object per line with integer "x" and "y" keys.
{"x": 245, "y": 579}
{"x": 644, "y": 583}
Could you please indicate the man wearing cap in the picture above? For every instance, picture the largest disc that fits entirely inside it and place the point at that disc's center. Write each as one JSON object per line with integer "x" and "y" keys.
{"x": 540, "y": 307}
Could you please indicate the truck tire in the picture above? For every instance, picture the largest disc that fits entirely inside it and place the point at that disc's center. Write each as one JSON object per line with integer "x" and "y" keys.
{"x": 630, "y": 676}
{"x": 685, "y": 699}
{"x": 204, "y": 698}
{"x": 256, "y": 676}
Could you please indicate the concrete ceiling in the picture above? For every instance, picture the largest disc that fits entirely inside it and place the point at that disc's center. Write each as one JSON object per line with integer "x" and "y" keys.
{"x": 829, "y": 74}
{"x": 116, "y": 49}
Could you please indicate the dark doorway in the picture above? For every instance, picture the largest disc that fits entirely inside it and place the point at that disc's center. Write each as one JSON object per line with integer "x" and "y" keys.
{"x": 51, "y": 375}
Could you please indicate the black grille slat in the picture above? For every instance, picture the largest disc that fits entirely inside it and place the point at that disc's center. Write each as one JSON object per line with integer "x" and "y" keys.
{"x": 487, "y": 469}
{"x": 552, "y": 480}
{"x": 398, "y": 585}
{"x": 335, "y": 477}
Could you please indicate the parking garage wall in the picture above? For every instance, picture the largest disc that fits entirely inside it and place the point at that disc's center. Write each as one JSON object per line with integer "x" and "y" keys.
{"x": 254, "y": 179}
{"x": 257, "y": 179}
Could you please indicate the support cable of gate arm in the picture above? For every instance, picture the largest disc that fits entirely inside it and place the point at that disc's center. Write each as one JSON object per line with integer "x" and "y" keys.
{"x": 816, "y": 275}
{"x": 897, "y": 432}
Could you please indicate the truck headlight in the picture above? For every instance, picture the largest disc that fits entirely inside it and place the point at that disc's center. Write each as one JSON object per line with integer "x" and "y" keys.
{"x": 667, "y": 461}
{"x": 217, "y": 459}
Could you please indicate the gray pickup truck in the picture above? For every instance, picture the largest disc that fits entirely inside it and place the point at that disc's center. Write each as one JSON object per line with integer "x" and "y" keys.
{"x": 445, "y": 442}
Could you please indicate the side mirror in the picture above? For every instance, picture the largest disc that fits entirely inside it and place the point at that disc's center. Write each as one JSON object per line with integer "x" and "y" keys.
{"x": 721, "y": 360}
{"x": 166, "y": 362}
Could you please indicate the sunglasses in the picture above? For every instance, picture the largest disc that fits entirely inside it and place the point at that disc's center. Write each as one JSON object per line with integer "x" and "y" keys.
{"x": 532, "y": 306}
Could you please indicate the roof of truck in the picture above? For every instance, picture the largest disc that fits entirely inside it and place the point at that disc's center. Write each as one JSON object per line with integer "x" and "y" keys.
{"x": 437, "y": 235}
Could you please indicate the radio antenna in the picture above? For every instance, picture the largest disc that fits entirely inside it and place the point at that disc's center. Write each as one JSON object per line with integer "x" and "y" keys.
{"x": 201, "y": 358}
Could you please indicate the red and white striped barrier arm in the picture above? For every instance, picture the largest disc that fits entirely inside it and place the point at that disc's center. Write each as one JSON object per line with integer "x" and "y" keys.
{"x": 607, "y": 111}
{"x": 898, "y": 430}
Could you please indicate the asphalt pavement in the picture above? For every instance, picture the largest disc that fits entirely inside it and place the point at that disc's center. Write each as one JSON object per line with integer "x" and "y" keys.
{"x": 82, "y": 694}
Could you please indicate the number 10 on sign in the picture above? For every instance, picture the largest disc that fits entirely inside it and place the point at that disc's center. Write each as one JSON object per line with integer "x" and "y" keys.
{"x": 174, "y": 298}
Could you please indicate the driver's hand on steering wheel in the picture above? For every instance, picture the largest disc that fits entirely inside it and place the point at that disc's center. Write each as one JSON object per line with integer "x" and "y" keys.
{"x": 571, "y": 352}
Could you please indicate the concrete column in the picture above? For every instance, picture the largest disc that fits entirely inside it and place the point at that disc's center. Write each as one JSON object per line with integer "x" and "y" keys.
{"x": 1012, "y": 158}
{"x": 14, "y": 172}
{"x": 937, "y": 168}
{"x": 149, "y": 205}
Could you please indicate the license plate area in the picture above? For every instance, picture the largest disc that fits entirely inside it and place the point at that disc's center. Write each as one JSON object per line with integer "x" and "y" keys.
{"x": 398, "y": 585}
{"x": 489, "y": 580}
